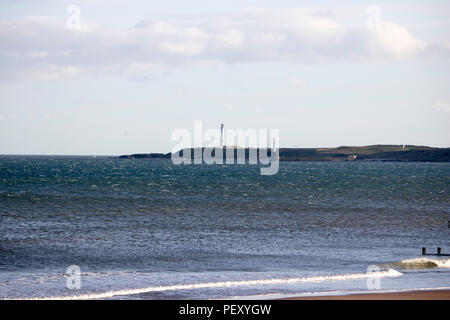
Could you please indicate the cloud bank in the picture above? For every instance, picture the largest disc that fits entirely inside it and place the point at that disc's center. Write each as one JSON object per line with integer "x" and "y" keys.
{"x": 39, "y": 48}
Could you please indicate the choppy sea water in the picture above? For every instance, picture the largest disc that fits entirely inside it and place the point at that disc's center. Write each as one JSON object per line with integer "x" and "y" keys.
{"x": 148, "y": 229}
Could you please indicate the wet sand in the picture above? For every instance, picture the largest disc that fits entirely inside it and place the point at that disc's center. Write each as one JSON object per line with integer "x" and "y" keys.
{"x": 411, "y": 295}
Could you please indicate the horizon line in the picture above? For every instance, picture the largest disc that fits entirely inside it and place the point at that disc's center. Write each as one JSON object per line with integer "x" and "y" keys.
{"x": 116, "y": 155}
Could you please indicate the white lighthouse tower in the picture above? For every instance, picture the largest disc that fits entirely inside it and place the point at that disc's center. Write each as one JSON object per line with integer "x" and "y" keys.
{"x": 222, "y": 136}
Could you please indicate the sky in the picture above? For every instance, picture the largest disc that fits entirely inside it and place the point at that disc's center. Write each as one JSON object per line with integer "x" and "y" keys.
{"x": 110, "y": 77}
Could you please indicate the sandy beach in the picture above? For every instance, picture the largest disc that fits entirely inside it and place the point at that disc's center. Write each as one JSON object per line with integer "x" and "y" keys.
{"x": 411, "y": 295}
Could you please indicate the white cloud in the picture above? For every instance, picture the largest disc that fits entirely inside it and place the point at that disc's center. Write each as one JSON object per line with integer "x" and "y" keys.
{"x": 39, "y": 48}
{"x": 187, "y": 48}
{"x": 174, "y": 39}
{"x": 137, "y": 68}
{"x": 231, "y": 39}
{"x": 442, "y": 106}
{"x": 394, "y": 40}
{"x": 2, "y": 117}
{"x": 51, "y": 73}
{"x": 298, "y": 82}
{"x": 163, "y": 28}
{"x": 38, "y": 54}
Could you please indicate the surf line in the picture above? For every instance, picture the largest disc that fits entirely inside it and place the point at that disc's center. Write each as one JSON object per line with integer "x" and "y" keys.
{"x": 224, "y": 284}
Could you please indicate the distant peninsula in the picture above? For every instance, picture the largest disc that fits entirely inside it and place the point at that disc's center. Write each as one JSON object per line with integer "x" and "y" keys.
{"x": 402, "y": 153}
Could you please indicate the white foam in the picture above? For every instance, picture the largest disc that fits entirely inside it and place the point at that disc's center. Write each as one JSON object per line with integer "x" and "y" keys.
{"x": 441, "y": 263}
{"x": 421, "y": 263}
{"x": 225, "y": 284}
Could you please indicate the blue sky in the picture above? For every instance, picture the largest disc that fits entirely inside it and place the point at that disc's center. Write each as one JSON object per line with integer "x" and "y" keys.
{"x": 315, "y": 70}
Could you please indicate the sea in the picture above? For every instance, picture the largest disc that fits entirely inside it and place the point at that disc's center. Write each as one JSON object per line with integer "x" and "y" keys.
{"x": 83, "y": 227}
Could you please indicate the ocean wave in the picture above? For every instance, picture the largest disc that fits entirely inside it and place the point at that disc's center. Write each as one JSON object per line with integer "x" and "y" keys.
{"x": 418, "y": 264}
{"x": 40, "y": 278}
{"x": 225, "y": 284}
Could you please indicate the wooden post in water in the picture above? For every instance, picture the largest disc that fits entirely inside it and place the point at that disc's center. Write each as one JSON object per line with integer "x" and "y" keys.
{"x": 424, "y": 250}
{"x": 439, "y": 251}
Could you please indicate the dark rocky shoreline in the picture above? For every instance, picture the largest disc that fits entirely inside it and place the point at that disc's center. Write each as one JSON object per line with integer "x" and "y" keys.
{"x": 396, "y": 153}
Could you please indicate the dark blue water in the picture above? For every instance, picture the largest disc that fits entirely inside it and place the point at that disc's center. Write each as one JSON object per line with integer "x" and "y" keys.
{"x": 200, "y": 231}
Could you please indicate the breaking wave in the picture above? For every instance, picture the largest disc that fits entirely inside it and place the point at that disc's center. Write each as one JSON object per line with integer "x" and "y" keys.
{"x": 419, "y": 263}
{"x": 127, "y": 292}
